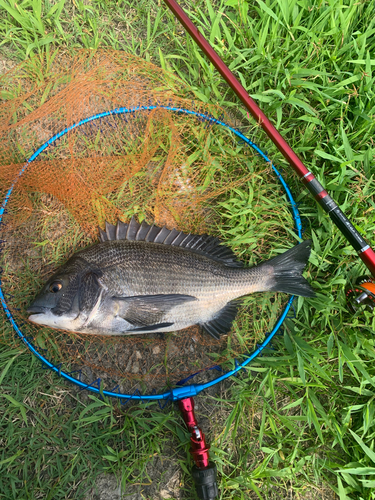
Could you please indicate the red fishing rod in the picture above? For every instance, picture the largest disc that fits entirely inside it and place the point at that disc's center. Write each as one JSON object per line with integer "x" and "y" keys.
{"x": 364, "y": 251}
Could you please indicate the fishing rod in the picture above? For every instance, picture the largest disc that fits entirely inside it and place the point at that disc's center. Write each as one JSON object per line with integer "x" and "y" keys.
{"x": 363, "y": 249}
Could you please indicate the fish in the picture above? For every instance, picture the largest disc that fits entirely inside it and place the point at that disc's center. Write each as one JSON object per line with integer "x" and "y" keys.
{"x": 142, "y": 278}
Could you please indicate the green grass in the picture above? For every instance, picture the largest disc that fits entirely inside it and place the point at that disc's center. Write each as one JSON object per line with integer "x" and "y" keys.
{"x": 301, "y": 418}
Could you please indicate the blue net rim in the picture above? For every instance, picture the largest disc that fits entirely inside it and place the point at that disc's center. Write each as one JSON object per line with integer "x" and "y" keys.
{"x": 185, "y": 391}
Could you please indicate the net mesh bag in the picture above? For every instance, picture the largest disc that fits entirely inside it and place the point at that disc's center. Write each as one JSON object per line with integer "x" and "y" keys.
{"x": 158, "y": 155}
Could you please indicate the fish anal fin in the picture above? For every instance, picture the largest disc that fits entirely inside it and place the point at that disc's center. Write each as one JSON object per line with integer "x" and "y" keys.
{"x": 222, "y": 322}
{"x": 149, "y": 310}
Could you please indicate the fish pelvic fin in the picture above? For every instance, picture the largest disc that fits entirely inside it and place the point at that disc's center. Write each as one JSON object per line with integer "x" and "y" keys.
{"x": 286, "y": 271}
{"x": 150, "y": 328}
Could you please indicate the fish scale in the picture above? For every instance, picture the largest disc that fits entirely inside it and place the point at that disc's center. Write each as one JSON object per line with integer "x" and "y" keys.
{"x": 141, "y": 268}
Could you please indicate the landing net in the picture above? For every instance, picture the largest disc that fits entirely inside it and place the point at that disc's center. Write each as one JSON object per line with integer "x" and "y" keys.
{"x": 102, "y": 136}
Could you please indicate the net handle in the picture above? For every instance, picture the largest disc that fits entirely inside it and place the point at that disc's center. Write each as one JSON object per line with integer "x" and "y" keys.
{"x": 177, "y": 393}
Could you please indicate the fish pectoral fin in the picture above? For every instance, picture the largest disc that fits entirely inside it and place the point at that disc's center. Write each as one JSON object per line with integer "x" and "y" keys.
{"x": 222, "y": 321}
{"x": 149, "y": 310}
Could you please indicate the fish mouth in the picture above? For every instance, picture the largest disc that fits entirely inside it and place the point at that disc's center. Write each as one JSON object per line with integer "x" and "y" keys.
{"x": 37, "y": 309}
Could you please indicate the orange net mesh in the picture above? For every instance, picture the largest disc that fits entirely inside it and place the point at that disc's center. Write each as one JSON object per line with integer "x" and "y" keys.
{"x": 169, "y": 168}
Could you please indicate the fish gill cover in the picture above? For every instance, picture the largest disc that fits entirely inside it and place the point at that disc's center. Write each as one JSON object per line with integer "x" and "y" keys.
{"x": 165, "y": 167}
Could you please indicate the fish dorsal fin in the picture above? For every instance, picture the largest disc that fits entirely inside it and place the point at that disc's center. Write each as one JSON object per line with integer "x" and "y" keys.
{"x": 202, "y": 244}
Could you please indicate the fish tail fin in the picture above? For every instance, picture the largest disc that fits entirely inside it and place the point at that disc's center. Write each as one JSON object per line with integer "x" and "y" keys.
{"x": 286, "y": 275}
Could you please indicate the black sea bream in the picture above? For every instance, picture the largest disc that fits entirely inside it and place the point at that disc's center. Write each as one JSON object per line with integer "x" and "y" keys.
{"x": 142, "y": 279}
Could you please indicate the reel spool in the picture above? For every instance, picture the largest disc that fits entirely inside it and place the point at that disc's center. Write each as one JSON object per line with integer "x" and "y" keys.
{"x": 363, "y": 293}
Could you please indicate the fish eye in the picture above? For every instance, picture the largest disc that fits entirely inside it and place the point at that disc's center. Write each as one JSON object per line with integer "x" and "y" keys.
{"x": 55, "y": 287}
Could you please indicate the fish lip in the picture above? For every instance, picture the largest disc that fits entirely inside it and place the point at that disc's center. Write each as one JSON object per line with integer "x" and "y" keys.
{"x": 36, "y": 309}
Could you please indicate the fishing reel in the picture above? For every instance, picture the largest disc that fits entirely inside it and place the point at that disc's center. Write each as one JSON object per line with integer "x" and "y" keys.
{"x": 362, "y": 293}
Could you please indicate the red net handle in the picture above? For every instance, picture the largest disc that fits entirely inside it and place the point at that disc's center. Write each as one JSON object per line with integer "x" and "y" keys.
{"x": 199, "y": 447}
